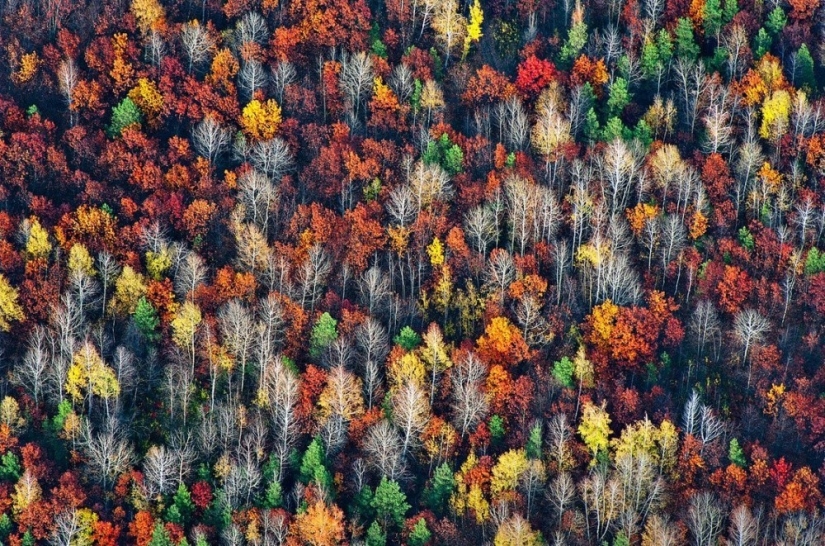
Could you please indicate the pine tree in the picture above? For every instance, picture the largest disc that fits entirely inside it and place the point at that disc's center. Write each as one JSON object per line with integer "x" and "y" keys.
{"x": 407, "y": 338}
{"x": 736, "y": 454}
{"x": 712, "y": 21}
{"x": 420, "y": 534}
{"x": 686, "y": 47}
{"x": 376, "y": 536}
{"x": 534, "y": 441}
{"x": 313, "y": 467}
{"x": 440, "y": 489}
{"x": 146, "y": 319}
{"x": 776, "y": 21}
{"x": 323, "y": 334}
{"x": 804, "y": 74}
{"x": 124, "y": 114}
{"x": 389, "y": 502}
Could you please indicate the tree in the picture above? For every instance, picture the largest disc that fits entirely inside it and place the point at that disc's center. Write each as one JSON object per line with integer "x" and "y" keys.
{"x": 10, "y": 310}
{"x": 705, "y": 518}
{"x": 146, "y": 319}
{"x": 375, "y": 535}
{"x": 749, "y": 327}
{"x": 686, "y": 47}
{"x": 595, "y": 428}
{"x": 516, "y": 531}
{"x": 323, "y": 334}
{"x": 474, "y": 26}
{"x": 450, "y": 28}
{"x": 261, "y": 120}
{"x": 469, "y": 402}
{"x": 124, "y": 115}
{"x": 390, "y": 503}
{"x": 410, "y": 412}
{"x": 197, "y": 43}
{"x": 210, "y": 138}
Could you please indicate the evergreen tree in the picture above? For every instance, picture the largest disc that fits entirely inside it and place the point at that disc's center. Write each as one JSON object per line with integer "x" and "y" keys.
{"x": 323, "y": 334}
{"x": 146, "y": 319}
{"x": 729, "y": 11}
{"x": 376, "y": 536}
{"x": 736, "y": 454}
{"x": 804, "y": 75}
{"x": 563, "y": 372}
{"x": 533, "y": 447}
{"x": 420, "y": 534}
{"x": 712, "y": 21}
{"x": 686, "y": 47}
{"x": 618, "y": 98}
{"x": 776, "y": 21}
{"x": 762, "y": 43}
{"x": 124, "y": 114}
{"x": 407, "y": 338}
{"x": 441, "y": 487}
{"x": 390, "y": 503}
{"x": 160, "y": 537}
{"x": 313, "y": 468}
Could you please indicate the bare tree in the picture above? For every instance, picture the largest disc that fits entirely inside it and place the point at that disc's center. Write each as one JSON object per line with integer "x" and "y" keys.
{"x": 480, "y": 227}
{"x": 271, "y": 157}
{"x": 500, "y": 272}
{"x": 704, "y": 326}
{"x": 749, "y": 327}
{"x": 108, "y": 453}
{"x": 283, "y": 74}
{"x": 402, "y": 82}
{"x": 410, "y": 413}
{"x": 312, "y": 276}
{"x": 197, "y": 43}
{"x": 32, "y": 373}
{"x": 190, "y": 274}
{"x": 468, "y": 400}
{"x": 156, "y": 47}
{"x": 259, "y": 196}
{"x": 159, "y": 471}
{"x": 251, "y": 28}
{"x": 67, "y": 80}
{"x": 238, "y": 332}
{"x": 561, "y": 494}
{"x": 514, "y": 125}
{"x": 282, "y": 390}
{"x": 744, "y": 527}
{"x": 374, "y": 289}
{"x": 705, "y": 519}
{"x": 252, "y": 76}
{"x": 383, "y": 447}
{"x": 356, "y": 78}
{"x": 66, "y": 528}
{"x": 210, "y": 138}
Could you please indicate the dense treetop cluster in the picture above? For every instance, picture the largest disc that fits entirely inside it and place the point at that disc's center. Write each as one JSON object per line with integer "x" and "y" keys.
{"x": 424, "y": 272}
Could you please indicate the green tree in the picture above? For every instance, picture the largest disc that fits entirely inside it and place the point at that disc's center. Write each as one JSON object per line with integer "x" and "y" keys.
{"x": 534, "y": 441}
{"x": 776, "y": 21}
{"x": 762, "y": 43}
{"x": 441, "y": 488}
{"x": 146, "y": 319}
{"x": 804, "y": 75}
{"x": 619, "y": 97}
{"x": 10, "y": 469}
{"x": 183, "y": 505}
{"x": 591, "y": 125}
{"x": 273, "y": 496}
{"x": 313, "y": 466}
{"x": 420, "y": 534}
{"x": 814, "y": 262}
{"x": 576, "y": 40}
{"x": 686, "y": 47}
{"x": 407, "y": 338}
{"x": 323, "y": 334}
{"x": 497, "y": 429}
{"x": 729, "y": 11}
{"x": 563, "y": 372}
{"x": 736, "y": 454}
{"x": 712, "y": 21}
{"x": 444, "y": 153}
{"x": 376, "y": 536}
{"x": 124, "y": 114}
{"x": 390, "y": 503}
{"x": 160, "y": 537}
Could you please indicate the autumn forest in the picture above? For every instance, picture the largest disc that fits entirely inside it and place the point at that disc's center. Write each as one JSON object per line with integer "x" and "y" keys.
{"x": 419, "y": 272}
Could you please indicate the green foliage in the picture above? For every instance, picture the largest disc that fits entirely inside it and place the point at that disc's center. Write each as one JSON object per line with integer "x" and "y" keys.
{"x": 10, "y": 469}
{"x": 686, "y": 47}
{"x": 407, "y": 338}
{"x": 804, "y": 75}
{"x": 415, "y": 97}
{"x": 373, "y": 189}
{"x": 443, "y": 152}
{"x": 390, "y": 503}
{"x": 497, "y": 429}
{"x": 736, "y": 454}
{"x": 5, "y": 526}
{"x": 273, "y": 496}
{"x": 438, "y": 64}
{"x": 146, "y": 319}
{"x": 720, "y": 57}
{"x": 64, "y": 409}
{"x": 534, "y": 441}
{"x": 776, "y": 21}
{"x": 510, "y": 162}
{"x": 613, "y": 129}
{"x": 712, "y": 20}
{"x": 361, "y": 505}
{"x": 379, "y": 49}
{"x": 28, "y": 539}
{"x": 563, "y": 372}
{"x": 729, "y": 11}
{"x": 643, "y": 133}
{"x": 576, "y": 40}
{"x": 618, "y": 97}
{"x": 621, "y": 539}
{"x": 32, "y": 110}
{"x": 441, "y": 487}
{"x": 313, "y": 466}
{"x": 124, "y": 114}
{"x": 182, "y": 505}
{"x": 591, "y": 125}
{"x": 814, "y": 262}
{"x": 376, "y": 536}
{"x": 762, "y": 43}
{"x": 160, "y": 537}
{"x": 746, "y": 238}
{"x": 420, "y": 534}
{"x": 323, "y": 334}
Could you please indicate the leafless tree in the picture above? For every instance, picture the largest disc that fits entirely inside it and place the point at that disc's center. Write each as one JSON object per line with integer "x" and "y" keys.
{"x": 374, "y": 289}
{"x": 252, "y": 76}
{"x": 561, "y": 494}
{"x": 210, "y": 138}
{"x": 159, "y": 471}
{"x": 312, "y": 276}
{"x": 704, "y": 327}
{"x": 108, "y": 454}
{"x": 67, "y": 80}
{"x": 401, "y": 205}
{"x": 238, "y": 332}
{"x": 500, "y": 272}
{"x": 514, "y": 125}
{"x": 800, "y": 529}
{"x": 251, "y": 28}
{"x": 383, "y": 447}
{"x": 190, "y": 274}
{"x": 735, "y": 41}
{"x": 429, "y": 183}
{"x": 402, "y": 82}
{"x": 283, "y": 74}
{"x": 468, "y": 401}
{"x": 282, "y": 390}
{"x": 531, "y": 482}
{"x": 356, "y": 78}
{"x": 272, "y": 157}
{"x": 661, "y": 532}
{"x": 749, "y": 327}
{"x": 197, "y": 43}
{"x": 744, "y": 527}
{"x": 558, "y": 438}
{"x": 480, "y": 227}
{"x": 690, "y": 83}
{"x": 673, "y": 238}
{"x": 705, "y": 519}
{"x": 156, "y": 48}
{"x": 619, "y": 166}
{"x": 259, "y": 196}
{"x": 66, "y": 528}
{"x": 274, "y": 527}
{"x": 410, "y": 413}
{"x": 372, "y": 341}
{"x": 32, "y": 372}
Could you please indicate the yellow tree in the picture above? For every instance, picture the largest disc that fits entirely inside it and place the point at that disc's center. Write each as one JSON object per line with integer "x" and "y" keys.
{"x": 450, "y": 28}
{"x": 260, "y": 120}
{"x": 507, "y": 471}
{"x": 434, "y": 354}
{"x": 474, "y": 28}
{"x": 341, "y": 396}
{"x": 776, "y": 112}
{"x": 130, "y": 286}
{"x": 148, "y": 99}
{"x": 10, "y": 310}
{"x": 90, "y": 376}
{"x": 184, "y": 327}
{"x": 516, "y": 531}
{"x": 148, "y": 13}
{"x": 80, "y": 261}
{"x": 37, "y": 242}
{"x": 595, "y": 428}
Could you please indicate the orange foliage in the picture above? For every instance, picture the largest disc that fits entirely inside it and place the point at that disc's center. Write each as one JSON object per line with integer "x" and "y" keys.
{"x": 502, "y": 343}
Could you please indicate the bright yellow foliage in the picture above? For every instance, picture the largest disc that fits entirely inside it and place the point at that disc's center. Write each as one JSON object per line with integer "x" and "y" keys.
{"x": 148, "y": 99}
{"x": 474, "y": 27}
{"x": 595, "y": 428}
{"x": 776, "y": 113}
{"x": 660, "y": 443}
{"x": 407, "y": 369}
{"x": 9, "y": 308}
{"x": 260, "y": 120}
{"x": 158, "y": 263}
{"x": 507, "y": 471}
{"x": 27, "y": 491}
{"x": 129, "y": 287}
{"x": 773, "y": 398}
{"x": 149, "y": 14}
{"x": 639, "y": 215}
{"x": 38, "y": 245}
{"x": 185, "y": 324}
{"x": 10, "y": 414}
{"x": 435, "y": 251}
{"x": 479, "y": 505}
{"x": 583, "y": 368}
{"x": 469, "y": 497}
{"x": 88, "y": 374}
{"x": 81, "y": 260}
{"x": 86, "y": 520}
